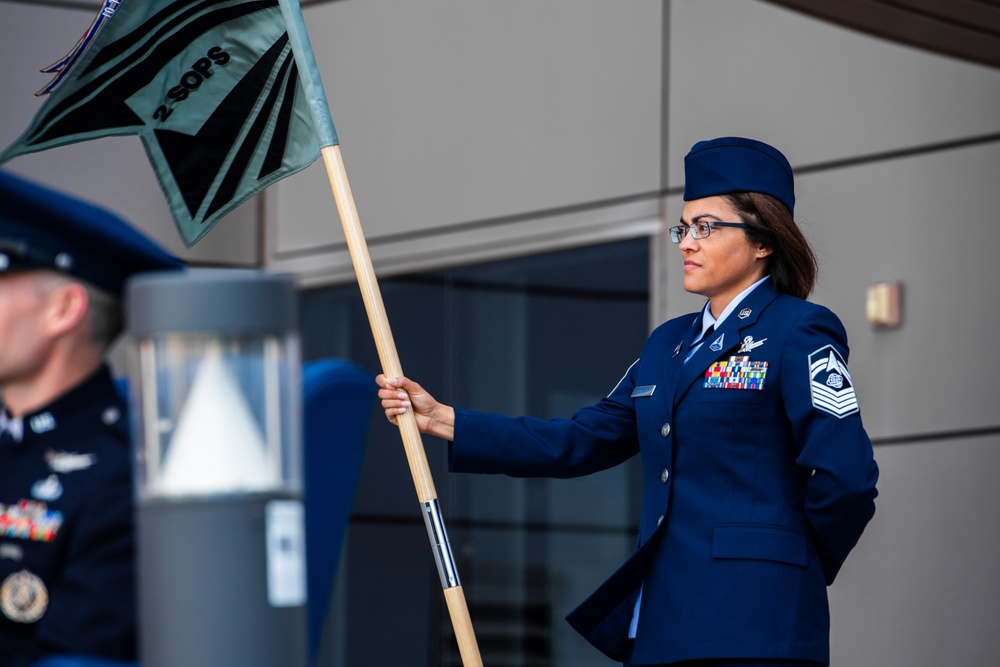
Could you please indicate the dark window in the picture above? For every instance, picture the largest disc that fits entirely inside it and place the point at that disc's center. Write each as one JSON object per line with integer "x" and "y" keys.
{"x": 540, "y": 335}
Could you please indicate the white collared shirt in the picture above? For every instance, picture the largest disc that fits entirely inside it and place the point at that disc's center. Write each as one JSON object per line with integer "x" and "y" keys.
{"x": 13, "y": 425}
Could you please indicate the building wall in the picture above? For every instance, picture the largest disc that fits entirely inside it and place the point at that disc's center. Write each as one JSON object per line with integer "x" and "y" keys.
{"x": 478, "y": 130}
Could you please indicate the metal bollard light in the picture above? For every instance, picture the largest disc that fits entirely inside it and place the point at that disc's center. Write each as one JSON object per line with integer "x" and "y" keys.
{"x": 215, "y": 366}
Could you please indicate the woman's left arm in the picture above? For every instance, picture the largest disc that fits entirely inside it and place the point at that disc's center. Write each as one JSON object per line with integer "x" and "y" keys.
{"x": 822, "y": 406}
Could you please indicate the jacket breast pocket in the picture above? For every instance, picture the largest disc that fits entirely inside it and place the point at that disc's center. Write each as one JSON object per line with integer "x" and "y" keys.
{"x": 732, "y": 396}
{"x": 760, "y": 542}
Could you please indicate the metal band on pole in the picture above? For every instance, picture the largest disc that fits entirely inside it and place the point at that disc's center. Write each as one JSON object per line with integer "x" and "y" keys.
{"x": 439, "y": 542}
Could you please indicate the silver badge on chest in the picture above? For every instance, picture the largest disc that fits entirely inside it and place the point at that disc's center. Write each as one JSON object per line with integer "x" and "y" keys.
{"x": 750, "y": 344}
{"x": 66, "y": 462}
{"x": 47, "y": 489}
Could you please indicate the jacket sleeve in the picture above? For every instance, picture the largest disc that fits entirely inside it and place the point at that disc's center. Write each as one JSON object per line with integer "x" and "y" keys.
{"x": 597, "y": 437}
{"x": 825, "y": 418}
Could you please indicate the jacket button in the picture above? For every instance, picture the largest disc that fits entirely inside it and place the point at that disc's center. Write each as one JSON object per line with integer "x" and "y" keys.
{"x": 664, "y": 476}
{"x": 665, "y": 430}
{"x": 660, "y": 520}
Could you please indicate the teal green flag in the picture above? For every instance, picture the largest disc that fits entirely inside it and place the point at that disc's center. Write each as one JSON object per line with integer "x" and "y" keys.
{"x": 224, "y": 93}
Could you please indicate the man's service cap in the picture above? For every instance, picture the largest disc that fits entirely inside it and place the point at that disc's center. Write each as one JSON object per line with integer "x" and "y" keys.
{"x": 44, "y": 229}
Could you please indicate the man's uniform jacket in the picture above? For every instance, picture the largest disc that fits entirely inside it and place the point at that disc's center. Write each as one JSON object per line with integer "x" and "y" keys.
{"x": 67, "y": 573}
{"x": 758, "y": 480}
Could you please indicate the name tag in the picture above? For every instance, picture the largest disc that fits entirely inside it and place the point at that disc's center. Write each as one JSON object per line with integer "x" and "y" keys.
{"x": 643, "y": 391}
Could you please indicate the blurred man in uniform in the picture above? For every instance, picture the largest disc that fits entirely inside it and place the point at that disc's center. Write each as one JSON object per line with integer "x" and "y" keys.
{"x": 66, "y": 513}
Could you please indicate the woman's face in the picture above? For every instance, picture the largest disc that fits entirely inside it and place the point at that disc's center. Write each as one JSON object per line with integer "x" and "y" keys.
{"x": 723, "y": 264}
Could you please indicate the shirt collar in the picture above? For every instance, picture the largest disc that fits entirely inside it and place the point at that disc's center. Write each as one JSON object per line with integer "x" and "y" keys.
{"x": 707, "y": 320}
{"x": 95, "y": 388}
{"x": 12, "y": 425}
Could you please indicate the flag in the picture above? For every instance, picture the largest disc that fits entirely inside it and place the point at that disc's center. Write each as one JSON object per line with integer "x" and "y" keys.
{"x": 224, "y": 94}
{"x": 63, "y": 66}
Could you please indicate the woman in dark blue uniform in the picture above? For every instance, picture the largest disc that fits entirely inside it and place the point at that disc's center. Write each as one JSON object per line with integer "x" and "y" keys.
{"x": 66, "y": 532}
{"x": 758, "y": 475}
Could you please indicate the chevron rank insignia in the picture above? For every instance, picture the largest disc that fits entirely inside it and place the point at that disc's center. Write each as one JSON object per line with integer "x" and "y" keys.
{"x": 830, "y": 383}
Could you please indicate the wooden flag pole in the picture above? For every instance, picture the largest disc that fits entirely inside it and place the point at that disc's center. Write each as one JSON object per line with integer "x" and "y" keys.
{"x": 412, "y": 444}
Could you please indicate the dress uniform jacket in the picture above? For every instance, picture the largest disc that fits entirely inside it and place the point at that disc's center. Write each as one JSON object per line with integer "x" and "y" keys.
{"x": 66, "y": 530}
{"x": 758, "y": 480}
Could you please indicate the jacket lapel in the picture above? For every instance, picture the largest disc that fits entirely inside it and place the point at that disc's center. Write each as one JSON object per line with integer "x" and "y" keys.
{"x": 673, "y": 363}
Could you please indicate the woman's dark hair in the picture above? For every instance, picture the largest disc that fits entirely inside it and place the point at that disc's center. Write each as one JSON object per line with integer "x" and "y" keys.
{"x": 792, "y": 264}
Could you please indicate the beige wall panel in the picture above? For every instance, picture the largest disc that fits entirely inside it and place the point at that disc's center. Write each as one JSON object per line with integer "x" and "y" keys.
{"x": 112, "y": 172}
{"x": 930, "y": 222}
{"x": 463, "y": 119}
{"x": 921, "y": 589}
{"x": 818, "y": 91}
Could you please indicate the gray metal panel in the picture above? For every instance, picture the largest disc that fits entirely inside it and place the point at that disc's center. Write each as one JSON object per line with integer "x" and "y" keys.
{"x": 921, "y": 588}
{"x": 930, "y": 222}
{"x": 237, "y": 302}
{"x": 451, "y": 112}
{"x": 203, "y": 587}
{"x": 818, "y": 91}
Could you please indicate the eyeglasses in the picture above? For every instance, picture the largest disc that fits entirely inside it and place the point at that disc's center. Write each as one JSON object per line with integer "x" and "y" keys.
{"x": 699, "y": 230}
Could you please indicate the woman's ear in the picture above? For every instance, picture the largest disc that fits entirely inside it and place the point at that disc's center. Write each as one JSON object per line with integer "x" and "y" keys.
{"x": 763, "y": 251}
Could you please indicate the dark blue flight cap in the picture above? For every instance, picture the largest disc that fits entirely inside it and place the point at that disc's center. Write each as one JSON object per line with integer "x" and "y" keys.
{"x": 44, "y": 229}
{"x": 733, "y": 164}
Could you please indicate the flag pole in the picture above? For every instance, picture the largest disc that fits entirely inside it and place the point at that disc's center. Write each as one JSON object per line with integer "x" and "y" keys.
{"x": 407, "y": 422}
{"x": 379, "y": 321}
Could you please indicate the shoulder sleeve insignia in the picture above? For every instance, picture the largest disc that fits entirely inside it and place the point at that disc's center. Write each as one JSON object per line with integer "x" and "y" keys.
{"x": 47, "y": 489}
{"x": 830, "y": 383}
